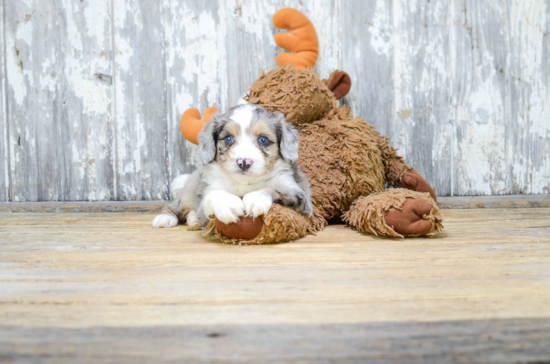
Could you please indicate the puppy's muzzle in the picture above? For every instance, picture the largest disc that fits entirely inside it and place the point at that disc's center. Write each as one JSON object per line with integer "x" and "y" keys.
{"x": 244, "y": 163}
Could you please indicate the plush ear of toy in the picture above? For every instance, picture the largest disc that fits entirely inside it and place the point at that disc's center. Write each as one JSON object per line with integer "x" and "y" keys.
{"x": 301, "y": 39}
{"x": 339, "y": 83}
{"x": 191, "y": 123}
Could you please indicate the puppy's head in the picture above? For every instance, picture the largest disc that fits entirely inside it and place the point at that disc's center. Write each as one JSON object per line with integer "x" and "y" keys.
{"x": 247, "y": 141}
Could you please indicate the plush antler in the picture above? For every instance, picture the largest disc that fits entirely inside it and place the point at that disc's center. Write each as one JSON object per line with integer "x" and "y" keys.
{"x": 191, "y": 123}
{"x": 301, "y": 40}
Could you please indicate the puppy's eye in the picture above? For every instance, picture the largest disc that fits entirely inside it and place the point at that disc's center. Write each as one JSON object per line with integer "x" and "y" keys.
{"x": 263, "y": 140}
{"x": 229, "y": 139}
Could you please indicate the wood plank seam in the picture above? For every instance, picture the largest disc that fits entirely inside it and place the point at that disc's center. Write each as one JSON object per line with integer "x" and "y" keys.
{"x": 167, "y": 176}
{"x": 7, "y": 162}
{"x": 457, "y": 202}
{"x": 114, "y": 103}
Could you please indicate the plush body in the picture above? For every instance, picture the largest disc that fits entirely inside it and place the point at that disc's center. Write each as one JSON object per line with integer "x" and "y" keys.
{"x": 345, "y": 159}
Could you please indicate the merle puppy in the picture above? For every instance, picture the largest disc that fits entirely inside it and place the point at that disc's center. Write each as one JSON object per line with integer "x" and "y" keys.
{"x": 250, "y": 158}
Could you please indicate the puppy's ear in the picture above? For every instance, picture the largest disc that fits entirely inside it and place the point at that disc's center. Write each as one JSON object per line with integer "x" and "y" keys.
{"x": 208, "y": 138}
{"x": 289, "y": 139}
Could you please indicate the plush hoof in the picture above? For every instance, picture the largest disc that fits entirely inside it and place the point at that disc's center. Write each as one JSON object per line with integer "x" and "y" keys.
{"x": 247, "y": 228}
{"x": 409, "y": 220}
{"x": 413, "y": 181}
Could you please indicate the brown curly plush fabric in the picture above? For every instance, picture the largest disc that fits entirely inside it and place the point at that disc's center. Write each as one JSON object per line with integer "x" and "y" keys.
{"x": 367, "y": 213}
{"x": 340, "y": 156}
{"x": 300, "y": 95}
{"x": 394, "y": 166}
{"x": 280, "y": 224}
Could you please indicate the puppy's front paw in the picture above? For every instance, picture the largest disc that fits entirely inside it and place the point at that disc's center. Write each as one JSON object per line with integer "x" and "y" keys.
{"x": 165, "y": 221}
{"x": 226, "y": 207}
{"x": 257, "y": 203}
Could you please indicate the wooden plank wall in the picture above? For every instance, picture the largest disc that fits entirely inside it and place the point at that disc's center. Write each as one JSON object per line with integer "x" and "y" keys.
{"x": 92, "y": 92}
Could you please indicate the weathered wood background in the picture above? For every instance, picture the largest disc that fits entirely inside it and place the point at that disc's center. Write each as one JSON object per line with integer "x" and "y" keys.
{"x": 92, "y": 91}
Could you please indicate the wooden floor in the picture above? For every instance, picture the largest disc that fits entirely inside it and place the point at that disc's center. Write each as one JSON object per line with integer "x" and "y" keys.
{"x": 88, "y": 287}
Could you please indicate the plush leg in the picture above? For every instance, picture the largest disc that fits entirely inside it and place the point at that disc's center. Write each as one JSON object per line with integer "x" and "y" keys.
{"x": 396, "y": 212}
{"x": 280, "y": 224}
{"x": 400, "y": 174}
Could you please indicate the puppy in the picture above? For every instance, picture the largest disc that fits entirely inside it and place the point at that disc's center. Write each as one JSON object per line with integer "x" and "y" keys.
{"x": 250, "y": 158}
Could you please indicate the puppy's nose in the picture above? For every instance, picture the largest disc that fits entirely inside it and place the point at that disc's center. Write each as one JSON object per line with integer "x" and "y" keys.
{"x": 244, "y": 163}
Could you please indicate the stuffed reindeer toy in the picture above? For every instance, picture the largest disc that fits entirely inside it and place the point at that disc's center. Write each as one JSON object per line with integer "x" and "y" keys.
{"x": 347, "y": 162}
